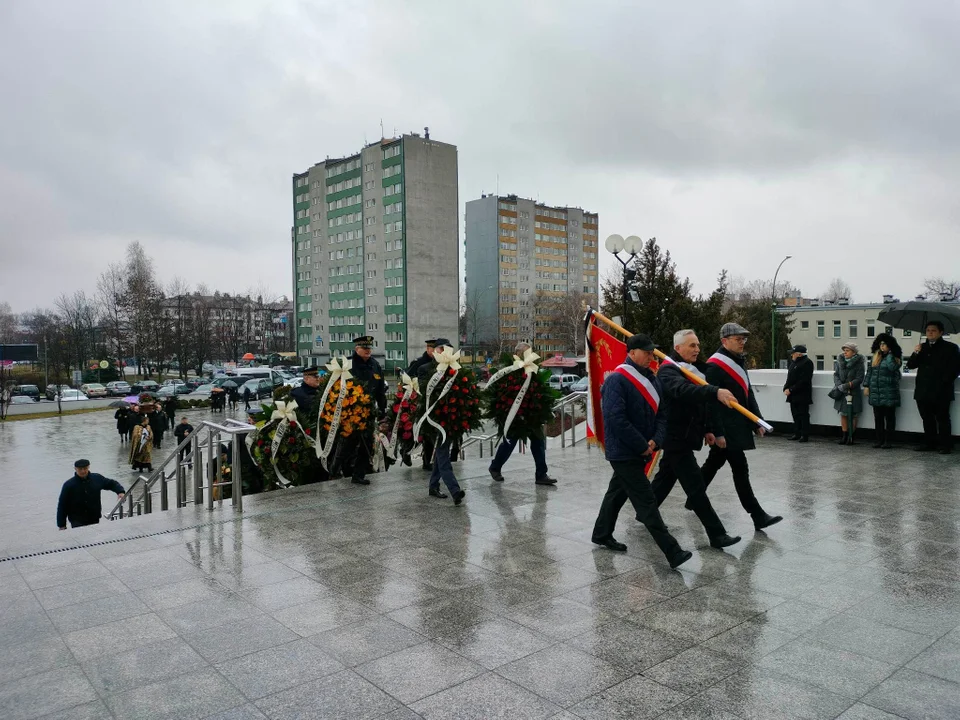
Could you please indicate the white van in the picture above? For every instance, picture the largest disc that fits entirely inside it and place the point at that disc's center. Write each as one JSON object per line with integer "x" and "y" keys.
{"x": 249, "y": 373}
{"x": 563, "y": 383}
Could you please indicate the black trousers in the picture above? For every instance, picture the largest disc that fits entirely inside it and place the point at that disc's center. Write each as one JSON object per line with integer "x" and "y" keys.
{"x": 357, "y": 454}
{"x": 741, "y": 474}
{"x": 630, "y": 481}
{"x": 936, "y": 424}
{"x": 682, "y": 465}
{"x": 427, "y": 452}
{"x": 801, "y": 419}
{"x": 885, "y": 423}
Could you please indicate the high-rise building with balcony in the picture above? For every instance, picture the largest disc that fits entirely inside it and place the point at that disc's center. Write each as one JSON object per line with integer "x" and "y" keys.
{"x": 375, "y": 250}
{"x": 529, "y": 269}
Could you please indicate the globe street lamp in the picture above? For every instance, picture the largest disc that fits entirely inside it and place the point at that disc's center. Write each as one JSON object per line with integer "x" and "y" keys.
{"x": 632, "y": 245}
{"x": 773, "y": 315}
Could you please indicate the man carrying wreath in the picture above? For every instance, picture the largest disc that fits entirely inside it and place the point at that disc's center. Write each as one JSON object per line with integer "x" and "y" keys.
{"x": 359, "y": 446}
{"x": 534, "y": 407}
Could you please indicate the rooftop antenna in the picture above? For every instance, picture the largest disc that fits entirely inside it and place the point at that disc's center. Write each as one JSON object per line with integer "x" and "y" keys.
{"x": 381, "y": 128}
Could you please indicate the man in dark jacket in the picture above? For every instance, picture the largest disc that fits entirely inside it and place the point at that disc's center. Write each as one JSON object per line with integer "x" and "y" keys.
{"x": 414, "y": 371}
{"x": 937, "y": 362}
{"x": 684, "y": 403}
{"x": 799, "y": 391}
{"x": 733, "y": 431}
{"x": 158, "y": 424}
{"x": 633, "y": 430}
{"x": 180, "y": 432}
{"x": 80, "y": 496}
{"x": 358, "y": 446}
{"x": 306, "y": 393}
{"x": 170, "y": 408}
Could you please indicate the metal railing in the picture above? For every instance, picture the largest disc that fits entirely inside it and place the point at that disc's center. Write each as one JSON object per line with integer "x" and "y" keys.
{"x": 194, "y": 468}
{"x": 571, "y": 403}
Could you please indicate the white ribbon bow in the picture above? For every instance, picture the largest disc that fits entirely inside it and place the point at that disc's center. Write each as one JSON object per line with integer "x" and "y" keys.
{"x": 285, "y": 411}
{"x": 447, "y": 359}
{"x": 409, "y": 385}
{"x": 337, "y": 370}
{"x": 528, "y": 363}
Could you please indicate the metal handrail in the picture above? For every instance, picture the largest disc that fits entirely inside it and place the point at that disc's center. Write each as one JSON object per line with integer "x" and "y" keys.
{"x": 561, "y": 407}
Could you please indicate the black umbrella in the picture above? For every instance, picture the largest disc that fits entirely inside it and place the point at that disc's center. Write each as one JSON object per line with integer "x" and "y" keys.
{"x": 915, "y": 315}
{"x": 119, "y": 404}
{"x": 229, "y": 384}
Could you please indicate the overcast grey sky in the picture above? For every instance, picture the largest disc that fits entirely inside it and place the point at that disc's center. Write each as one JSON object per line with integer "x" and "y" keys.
{"x": 735, "y": 132}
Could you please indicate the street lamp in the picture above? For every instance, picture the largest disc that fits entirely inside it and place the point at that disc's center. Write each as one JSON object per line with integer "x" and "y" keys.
{"x": 632, "y": 245}
{"x": 773, "y": 315}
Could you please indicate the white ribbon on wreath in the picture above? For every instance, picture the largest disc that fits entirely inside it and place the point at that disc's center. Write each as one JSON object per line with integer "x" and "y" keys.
{"x": 528, "y": 363}
{"x": 338, "y": 372}
{"x": 284, "y": 416}
{"x": 410, "y": 386}
{"x": 446, "y": 359}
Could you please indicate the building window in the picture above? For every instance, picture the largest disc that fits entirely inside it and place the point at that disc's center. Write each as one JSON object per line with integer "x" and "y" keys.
{"x": 821, "y": 330}
{"x": 804, "y": 324}
{"x": 853, "y": 328}
{"x": 871, "y": 328}
{"x": 837, "y": 328}
{"x": 907, "y": 333}
{"x": 820, "y": 362}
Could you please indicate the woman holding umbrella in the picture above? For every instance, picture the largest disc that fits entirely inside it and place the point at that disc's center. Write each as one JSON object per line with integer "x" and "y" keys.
{"x": 848, "y": 373}
{"x": 882, "y": 387}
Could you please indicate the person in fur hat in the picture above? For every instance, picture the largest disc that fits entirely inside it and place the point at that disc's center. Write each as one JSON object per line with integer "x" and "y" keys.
{"x": 881, "y": 385}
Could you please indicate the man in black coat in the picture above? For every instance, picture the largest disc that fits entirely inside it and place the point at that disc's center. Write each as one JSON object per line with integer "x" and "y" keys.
{"x": 413, "y": 371}
{"x": 685, "y": 405}
{"x": 170, "y": 408}
{"x": 180, "y": 432}
{"x": 306, "y": 393}
{"x": 158, "y": 424}
{"x": 358, "y": 447}
{"x": 80, "y": 496}
{"x": 799, "y": 391}
{"x": 733, "y": 431}
{"x": 937, "y": 362}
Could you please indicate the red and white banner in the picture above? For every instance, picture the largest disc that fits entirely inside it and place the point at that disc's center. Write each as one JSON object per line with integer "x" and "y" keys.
{"x": 733, "y": 369}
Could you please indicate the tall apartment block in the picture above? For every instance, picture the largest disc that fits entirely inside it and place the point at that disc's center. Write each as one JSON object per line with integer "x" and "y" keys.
{"x": 519, "y": 253}
{"x": 375, "y": 249}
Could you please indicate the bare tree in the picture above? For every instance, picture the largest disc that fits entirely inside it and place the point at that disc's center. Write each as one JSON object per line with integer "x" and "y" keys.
{"x": 561, "y": 316}
{"x": 482, "y": 329}
{"x": 113, "y": 304}
{"x": 202, "y": 337}
{"x": 938, "y": 288}
{"x": 142, "y": 292}
{"x": 179, "y": 305}
{"x": 741, "y": 290}
{"x": 8, "y": 323}
{"x": 78, "y": 315}
{"x": 837, "y": 289}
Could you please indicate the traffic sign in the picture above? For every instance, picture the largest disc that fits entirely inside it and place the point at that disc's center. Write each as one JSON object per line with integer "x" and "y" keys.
{"x": 104, "y": 364}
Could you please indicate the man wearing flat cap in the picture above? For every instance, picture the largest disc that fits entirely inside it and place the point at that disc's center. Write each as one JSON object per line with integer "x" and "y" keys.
{"x": 633, "y": 431}
{"x": 799, "y": 391}
{"x": 80, "y": 496}
{"x": 733, "y": 432}
{"x": 413, "y": 371}
{"x": 359, "y": 446}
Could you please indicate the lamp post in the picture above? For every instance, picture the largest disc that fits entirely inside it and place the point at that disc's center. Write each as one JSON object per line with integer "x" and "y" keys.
{"x": 614, "y": 244}
{"x": 773, "y": 315}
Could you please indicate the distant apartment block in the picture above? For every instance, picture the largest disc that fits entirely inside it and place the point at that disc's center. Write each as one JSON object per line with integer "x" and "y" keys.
{"x": 523, "y": 260}
{"x": 375, "y": 250}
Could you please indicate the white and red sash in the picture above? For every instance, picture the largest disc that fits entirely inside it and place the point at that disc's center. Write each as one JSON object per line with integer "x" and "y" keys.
{"x": 733, "y": 369}
{"x": 642, "y": 384}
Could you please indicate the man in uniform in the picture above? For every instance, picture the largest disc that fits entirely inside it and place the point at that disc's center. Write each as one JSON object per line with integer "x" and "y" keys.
{"x": 799, "y": 391}
{"x": 413, "y": 371}
{"x": 306, "y": 393}
{"x": 359, "y": 447}
{"x": 633, "y": 429}
{"x": 685, "y": 406}
{"x": 80, "y": 496}
{"x": 726, "y": 368}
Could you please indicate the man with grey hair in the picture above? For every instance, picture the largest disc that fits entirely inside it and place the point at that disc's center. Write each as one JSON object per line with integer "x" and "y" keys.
{"x": 538, "y": 446}
{"x": 685, "y": 404}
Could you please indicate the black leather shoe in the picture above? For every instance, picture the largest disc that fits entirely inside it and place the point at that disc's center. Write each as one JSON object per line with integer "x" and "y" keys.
{"x": 844, "y": 441}
{"x": 438, "y": 494}
{"x": 360, "y": 481}
{"x": 680, "y": 558}
{"x": 496, "y": 475}
{"x": 611, "y": 544}
{"x": 793, "y": 437}
{"x": 722, "y": 541}
{"x": 458, "y": 497}
{"x": 546, "y": 480}
{"x": 406, "y": 460}
{"x": 763, "y": 520}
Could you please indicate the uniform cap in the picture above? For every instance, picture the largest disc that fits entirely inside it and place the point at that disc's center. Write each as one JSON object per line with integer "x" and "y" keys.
{"x": 311, "y": 371}
{"x": 731, "y": 328}
{"x": 442, "y": 341}
{"x": 363, "y": 341}
{"x": 432, "y": 342}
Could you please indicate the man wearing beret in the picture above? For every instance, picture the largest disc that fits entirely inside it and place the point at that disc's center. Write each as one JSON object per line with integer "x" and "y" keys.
{"x": 358, "y": 448}
{"x": 633, "y": 430}
{"x": 799, "y": 391}
{"x": 80, "y": 496}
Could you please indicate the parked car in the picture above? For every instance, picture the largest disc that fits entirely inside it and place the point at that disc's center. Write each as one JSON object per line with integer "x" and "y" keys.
{"x": 194, "y": 383}
{"x": 118, "y": 388}
{"x": 580, "y": 385}
{"x": 30, "y": 391}
{"x": 563, "y": 383}
{"x": 93, "y": 390}
{"x": 202, "y": 391}
{"x": 144, "y": 385}
{"x": 259, "y": 388}
{"x": 52, "y": 390}
{"x": 23, "y": 400}
{"x": 70, "y": 395}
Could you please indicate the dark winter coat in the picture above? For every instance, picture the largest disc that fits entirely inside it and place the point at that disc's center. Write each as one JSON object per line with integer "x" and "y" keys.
{"x": 133, "y": 419}
{"x": 80, "y": 499}
{"x": 800, "y": 381}
{"x": 121, "y": 417}
{"x": 938, "y": 365}
{"x": 181, "y": 430}
{"x": 170, "y": 407}
{"x": 883, "y": 381}
{"x": 684, "y": 403}
{"x": 848, "y": 374}
{"x": 158, "y": 423}
{"x": 370, "y": 375}
{"x": 305, "y": 395}
{"x": 415, "y": 366}
{"x": 727, "y": 422}
{"x": 628, "y": 420}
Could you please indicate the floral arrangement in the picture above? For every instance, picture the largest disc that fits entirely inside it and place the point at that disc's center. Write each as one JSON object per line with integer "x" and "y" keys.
{"x": 402, "y": 411}
{"x": 536, "y": 407}
{"x": 356, "y": 413}
{"x": 458, "y": 412}
{"x": 286, "y": 461}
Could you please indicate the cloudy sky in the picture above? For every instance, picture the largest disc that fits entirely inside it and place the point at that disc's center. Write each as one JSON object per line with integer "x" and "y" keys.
{"x": 734, "y": 132}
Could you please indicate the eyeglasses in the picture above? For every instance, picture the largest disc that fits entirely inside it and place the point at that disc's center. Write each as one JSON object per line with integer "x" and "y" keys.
{"x": 738, "y": 338}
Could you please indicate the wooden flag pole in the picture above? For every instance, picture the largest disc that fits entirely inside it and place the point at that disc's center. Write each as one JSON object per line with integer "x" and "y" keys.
{"x": 692, "y": 377}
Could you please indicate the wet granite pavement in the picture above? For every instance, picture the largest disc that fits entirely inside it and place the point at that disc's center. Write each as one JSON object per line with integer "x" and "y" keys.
{"x": 343, "y": 601}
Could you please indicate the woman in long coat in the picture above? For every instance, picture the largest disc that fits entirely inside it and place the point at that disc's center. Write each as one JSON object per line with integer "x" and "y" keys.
{"x": 848, "y": 373}
{"x": 121, "y": 417}
{"x": 141, "y": 447}
{"x": 882, "y": 387}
